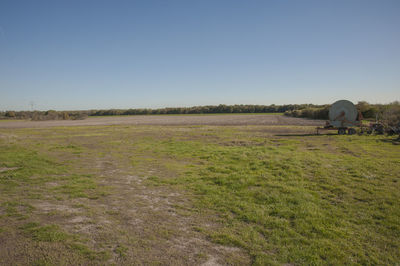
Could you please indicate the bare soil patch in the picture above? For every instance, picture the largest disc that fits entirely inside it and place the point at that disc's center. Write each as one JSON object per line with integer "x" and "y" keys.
{"x": 178, "y": 120}
{"x": 5, "y": 169}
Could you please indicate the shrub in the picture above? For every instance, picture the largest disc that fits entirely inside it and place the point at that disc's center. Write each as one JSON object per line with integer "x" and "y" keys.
{"x": 391, "y": 114}
{"x": 65, "y": 116}
{"x": 10, "y": 114}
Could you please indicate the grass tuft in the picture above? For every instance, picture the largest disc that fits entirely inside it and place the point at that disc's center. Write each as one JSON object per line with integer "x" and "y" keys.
{"x": 47, "y": 233}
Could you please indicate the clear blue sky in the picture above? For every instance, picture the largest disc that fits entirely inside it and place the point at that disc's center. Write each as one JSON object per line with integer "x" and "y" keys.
{"x": 85, "y": 54}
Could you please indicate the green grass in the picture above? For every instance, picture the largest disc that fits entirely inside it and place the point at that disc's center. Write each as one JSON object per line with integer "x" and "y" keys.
{"x": 121, "y": 250}
{"x": 10, "y": 120}
{"x": 26, "y": 171}
{"x": 282, "y": 199}
{"x": 286, "y": 204}
{"x": 48, "y": 233}
{"x": 53, "y": 233}
{"x": 88, "y": 253}
{"x": 17, "y": 209}
{"x": 31, "y": 168}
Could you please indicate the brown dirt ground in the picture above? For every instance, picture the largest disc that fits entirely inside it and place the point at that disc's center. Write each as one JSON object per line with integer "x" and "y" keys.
{"x": 220, "y": 120}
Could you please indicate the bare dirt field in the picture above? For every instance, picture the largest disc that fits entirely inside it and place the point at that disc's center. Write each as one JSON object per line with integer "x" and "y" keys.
{"x": 223, "y": 120}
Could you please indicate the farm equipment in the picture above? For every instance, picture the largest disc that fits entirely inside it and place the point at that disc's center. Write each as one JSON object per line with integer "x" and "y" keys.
{"x": 343, "y": 117}
{"x": 374, "y": 128}
{"x": 393, "y": 130}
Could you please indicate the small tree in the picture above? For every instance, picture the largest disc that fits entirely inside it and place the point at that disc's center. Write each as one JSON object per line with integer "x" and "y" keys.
{"x": 391, "y": 115}
{"x": 51, "y": 115}
{"x": 65, "y": 116}
{"x": 10, "y": 114}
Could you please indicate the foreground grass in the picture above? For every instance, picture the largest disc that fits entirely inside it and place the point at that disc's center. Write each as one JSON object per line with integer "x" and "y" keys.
{"x": 282, "y": 199}
{"x": 24, "y": 173}
{"x": 315, "y": 201}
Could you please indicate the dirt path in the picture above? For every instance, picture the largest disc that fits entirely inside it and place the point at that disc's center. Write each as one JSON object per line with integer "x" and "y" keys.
{"x": 156, "y": 216}
{"x": 229, "y": 120}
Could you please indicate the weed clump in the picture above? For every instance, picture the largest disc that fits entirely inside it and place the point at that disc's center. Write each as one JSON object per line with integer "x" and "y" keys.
{"x": 48, "y": 233}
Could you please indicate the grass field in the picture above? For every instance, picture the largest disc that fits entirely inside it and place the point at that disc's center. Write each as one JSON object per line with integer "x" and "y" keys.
{"x": 197, "y": 194}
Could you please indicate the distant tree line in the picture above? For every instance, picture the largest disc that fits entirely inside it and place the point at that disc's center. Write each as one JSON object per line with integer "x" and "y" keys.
{"x": 209, "y": 109}
{"x": 312, "y": 112}
{"x": 369, "y": 111}
{"x": 44, "y": 115}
